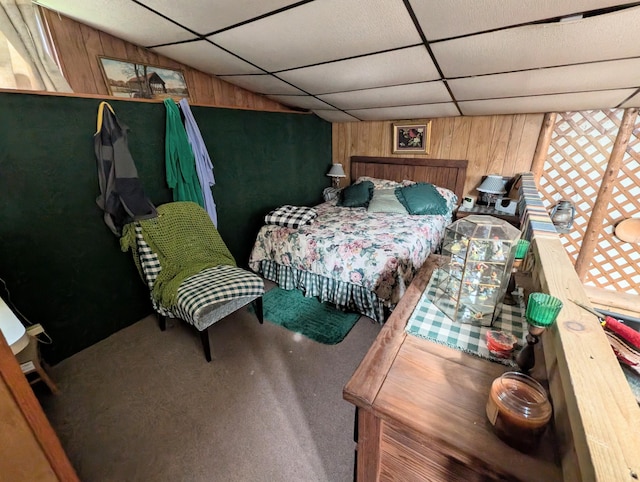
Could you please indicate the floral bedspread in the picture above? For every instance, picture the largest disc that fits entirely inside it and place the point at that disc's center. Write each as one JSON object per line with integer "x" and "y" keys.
{"x": 378, "y": 251}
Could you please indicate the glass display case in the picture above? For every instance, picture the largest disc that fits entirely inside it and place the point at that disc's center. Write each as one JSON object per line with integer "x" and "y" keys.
{"x": 480, "y": 251}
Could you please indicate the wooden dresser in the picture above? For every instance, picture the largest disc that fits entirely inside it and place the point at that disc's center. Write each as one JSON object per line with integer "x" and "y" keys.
{"x": 29, "y": 448}
{"x": 421, "y": 406}
{"x": 421, "y": 411}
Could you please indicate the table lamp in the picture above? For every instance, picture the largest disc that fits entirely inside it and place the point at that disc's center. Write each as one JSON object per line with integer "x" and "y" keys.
{"x": 335, "y": 173}
{"x": 490, "y": 188}
{"x": 13, "y": 331}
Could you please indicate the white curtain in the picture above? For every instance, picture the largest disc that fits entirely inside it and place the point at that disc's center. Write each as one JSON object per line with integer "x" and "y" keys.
{"x": 25, "y": 62}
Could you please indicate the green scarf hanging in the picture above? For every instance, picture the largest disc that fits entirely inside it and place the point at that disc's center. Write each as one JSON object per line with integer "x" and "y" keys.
{"x": 182, "y": 177}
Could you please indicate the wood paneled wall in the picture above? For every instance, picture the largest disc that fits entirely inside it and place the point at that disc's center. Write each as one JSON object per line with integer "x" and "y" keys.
{"x": 78, "y": 47}
{"x": 492, "y": 144}
{"x": 501, "y": 144}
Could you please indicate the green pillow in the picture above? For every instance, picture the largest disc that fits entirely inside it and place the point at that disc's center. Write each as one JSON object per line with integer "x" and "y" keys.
{"x": 356, "y": 195}
{"x": 385, "y": 201}
{"x": 422, "y": 198}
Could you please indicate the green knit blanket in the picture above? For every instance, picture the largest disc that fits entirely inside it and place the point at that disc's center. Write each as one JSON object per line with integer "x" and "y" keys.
{"x": 185, "y": 241}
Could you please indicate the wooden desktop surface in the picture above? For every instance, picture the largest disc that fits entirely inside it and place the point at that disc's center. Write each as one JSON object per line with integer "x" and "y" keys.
{"x": 421, "y": 410}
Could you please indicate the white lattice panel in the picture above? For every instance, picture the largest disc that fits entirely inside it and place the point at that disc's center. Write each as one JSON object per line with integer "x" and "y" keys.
{"x": 576, "y": 161}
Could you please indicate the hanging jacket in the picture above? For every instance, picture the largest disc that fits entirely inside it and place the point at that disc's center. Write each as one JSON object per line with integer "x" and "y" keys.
{"x": 180, "y": 162}
{"x": 122, "y": 197}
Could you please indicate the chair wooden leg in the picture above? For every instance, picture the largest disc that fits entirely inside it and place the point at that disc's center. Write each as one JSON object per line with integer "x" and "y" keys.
{"x": 162, "y": 321}
{"x": 204, "y": 336}
{"x": 258, "y": 307}
{"x": 45, "y": 378}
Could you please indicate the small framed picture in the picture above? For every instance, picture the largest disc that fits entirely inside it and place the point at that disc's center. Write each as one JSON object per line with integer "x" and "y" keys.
{"x": 142, "y": 81}
{"x": 411, "y": 138}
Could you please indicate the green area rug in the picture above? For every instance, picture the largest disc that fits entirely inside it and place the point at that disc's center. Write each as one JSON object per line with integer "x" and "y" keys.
{"x": 319, "y": 321}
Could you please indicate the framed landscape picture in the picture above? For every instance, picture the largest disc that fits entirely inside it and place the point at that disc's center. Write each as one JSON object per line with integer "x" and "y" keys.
{"x": 411, "y": 138}
{"x": 142, "y": 81}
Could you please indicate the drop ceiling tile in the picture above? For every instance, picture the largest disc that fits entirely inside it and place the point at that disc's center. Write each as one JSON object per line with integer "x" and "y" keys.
{"x": 123, "y": 19}
{"x": 334, "y": 115}
{"x": 302, "y": 101}
{"x": 263, "y": 84}
{"x": 321, "y": 31}
{"x": 422, "y": 93}
{"x": 546, "y": 103}
{"x": 407, "y": 112}
{"x": 604, "y": 37}
{"x": 205, "y": 56}
{"x": 378, "y": 70}
{"x": 204, "y": 18}
{"x": 633, "y": 101}
{"x": 616, "y": 74}
{"x": 435, "y": 16}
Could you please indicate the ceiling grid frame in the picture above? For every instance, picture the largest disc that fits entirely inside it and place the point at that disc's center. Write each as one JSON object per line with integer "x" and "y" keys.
{"x": 597, "y": 80}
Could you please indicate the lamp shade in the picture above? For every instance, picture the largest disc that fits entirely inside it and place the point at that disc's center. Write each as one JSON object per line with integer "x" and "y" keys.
{"x": 492, "y": 184}
{"x": 12, "y": 329}
{"x": 336, "y": 171}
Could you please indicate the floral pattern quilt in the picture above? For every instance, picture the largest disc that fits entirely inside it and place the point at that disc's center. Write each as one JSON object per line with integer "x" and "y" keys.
{"x": 378, "y": 251}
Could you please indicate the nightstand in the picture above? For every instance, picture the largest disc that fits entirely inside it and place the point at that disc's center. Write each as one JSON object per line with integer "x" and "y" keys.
{"x": 513, "y": 219}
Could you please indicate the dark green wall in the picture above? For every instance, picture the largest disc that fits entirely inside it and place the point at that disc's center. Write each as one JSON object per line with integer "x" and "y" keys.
{"x": 63, "y": 266}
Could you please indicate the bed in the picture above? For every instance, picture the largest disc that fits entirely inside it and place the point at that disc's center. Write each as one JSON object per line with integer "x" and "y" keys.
{"x": 359, "y": 260}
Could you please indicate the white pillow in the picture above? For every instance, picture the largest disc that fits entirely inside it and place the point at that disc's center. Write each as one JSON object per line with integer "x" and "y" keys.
{"x": 449, "y": 196}
{"x": 380, "y": 183}
{"x": 385, "y": 201}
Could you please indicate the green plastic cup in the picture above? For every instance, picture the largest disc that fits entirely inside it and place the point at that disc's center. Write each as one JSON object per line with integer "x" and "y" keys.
{"x": 542, "y": 309}
{"x": 521, "y": 248}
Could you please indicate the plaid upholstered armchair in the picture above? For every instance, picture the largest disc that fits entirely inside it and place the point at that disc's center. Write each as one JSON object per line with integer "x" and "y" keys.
{"x": 189, "y": 270}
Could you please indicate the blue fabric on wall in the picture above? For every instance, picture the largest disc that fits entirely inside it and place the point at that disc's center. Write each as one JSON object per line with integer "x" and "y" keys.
{"x": 204, "y": 166}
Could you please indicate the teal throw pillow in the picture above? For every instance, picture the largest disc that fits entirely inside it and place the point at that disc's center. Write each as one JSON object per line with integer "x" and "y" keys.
{"x": 422, "y": 198}
{"x": 356, "y": 195}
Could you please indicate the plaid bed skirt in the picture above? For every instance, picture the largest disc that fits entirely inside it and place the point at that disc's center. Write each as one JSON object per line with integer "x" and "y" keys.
{"x": 346, "y": 296}
{"x": 428, "y": 322}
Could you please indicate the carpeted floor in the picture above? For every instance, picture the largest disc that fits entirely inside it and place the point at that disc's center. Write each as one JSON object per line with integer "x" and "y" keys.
{"x": 143, "y": 405}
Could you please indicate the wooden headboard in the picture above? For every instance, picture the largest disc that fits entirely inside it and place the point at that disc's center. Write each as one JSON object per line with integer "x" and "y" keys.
{"x": 448, "y": 173}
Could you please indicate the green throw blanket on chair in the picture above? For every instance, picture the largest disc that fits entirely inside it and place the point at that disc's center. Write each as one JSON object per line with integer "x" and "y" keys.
{"x": 185, "y": 241}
